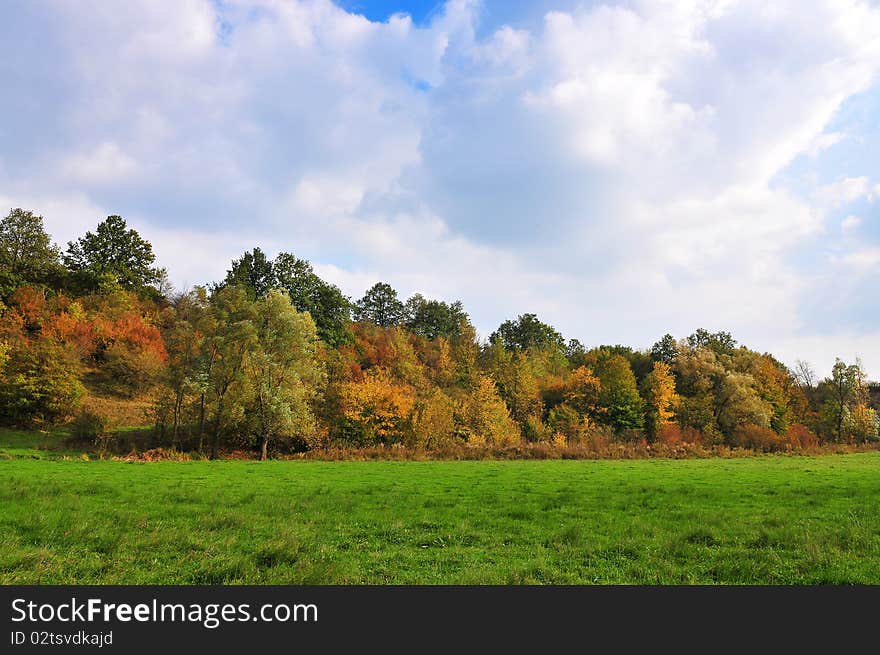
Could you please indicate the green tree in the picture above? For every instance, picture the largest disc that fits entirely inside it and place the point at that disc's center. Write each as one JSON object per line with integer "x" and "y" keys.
{"x": 435, "y": 318}
{"x": 230, "y": 336}
{"x": 665, "y": 350}
{"x": 27, "y": 255}
{"x": 721, "y": 343}
{"x": 738, "y": 403}
{"x": 380, "y": 305}
{"x": 282, "y": 370}
{"x": 254, "y": 272}
{"x": 40, "y": 383}
{"x": 329, "y": 308}
{"x": 182, "y": 331}
{"x": 115, "y": 255}
{"x": 846, "y": 396}
{"x": 619, "y": 401}
{"x": 526, "y": 333}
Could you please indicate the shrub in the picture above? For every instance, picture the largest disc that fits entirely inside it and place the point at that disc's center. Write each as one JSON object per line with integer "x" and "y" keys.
{"x": 800, "y": 436}
{"x": 89, "y": 427}
{"x": 673, "y": 434}
{"x": 759, "y": 438}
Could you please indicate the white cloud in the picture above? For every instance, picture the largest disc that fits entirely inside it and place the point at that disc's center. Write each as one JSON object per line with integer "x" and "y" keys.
{"x": 843, "y": 191}
{"x": 823, "y": 142}
{"x": 104, "y": 164}
{"x": 851, "y": 222}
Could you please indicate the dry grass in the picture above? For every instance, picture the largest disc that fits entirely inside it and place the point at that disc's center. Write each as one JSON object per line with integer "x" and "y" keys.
{"x": 120, "y": 412}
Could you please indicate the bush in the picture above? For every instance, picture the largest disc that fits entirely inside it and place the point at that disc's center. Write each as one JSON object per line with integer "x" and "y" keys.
{"x": 800, "y": 436}
{"x": 672, "y": 434}
{"x": 89, "y": 427}
{"x": 759, "y": 438}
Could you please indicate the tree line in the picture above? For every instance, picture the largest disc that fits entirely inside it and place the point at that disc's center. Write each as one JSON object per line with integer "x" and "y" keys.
{"x": 275, "y": 359}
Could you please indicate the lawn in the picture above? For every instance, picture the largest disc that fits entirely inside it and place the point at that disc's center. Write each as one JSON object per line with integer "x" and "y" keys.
{"x": 772, "y": 519}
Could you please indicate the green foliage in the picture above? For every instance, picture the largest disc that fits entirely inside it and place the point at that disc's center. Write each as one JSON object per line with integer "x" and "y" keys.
{"x": 527, "y": 333}
{"x": 620, "y": 405}
{"x": 253, "y": 272}
{"x": 328, "y": 307}
{"x": 665, "y": 350}
{"x": 40, "y": 385}
{"x": 283, "y": 372}
{"x": 434, "y": 318}
{"x": 326, "y": 304}
{"x": 114, "y": 254}
{"x": 27, "y": 256}
{"x": 844, "y": 412}
{"x": 380, "y": 305}
{"x": 721, "y": 343}
{"x": 89, "y": 428}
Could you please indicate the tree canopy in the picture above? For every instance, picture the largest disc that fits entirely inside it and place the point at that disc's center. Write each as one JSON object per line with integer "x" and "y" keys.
{"x": 27, "y": 255}
{"x": 114, "y": 254}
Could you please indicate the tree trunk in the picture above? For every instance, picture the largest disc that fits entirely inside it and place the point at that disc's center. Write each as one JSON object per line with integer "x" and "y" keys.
{"x": 215, "y": 438}
{"x": 264, "y": 448}
{"x": 178, "y": 402}
{"x": 202, "y": 423}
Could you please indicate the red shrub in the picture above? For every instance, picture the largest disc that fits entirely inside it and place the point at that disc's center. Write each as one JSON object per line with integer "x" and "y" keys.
{"x": 672, "y": 434}
{"x": 800, "y": 436}
{"x": 758, "y": 438}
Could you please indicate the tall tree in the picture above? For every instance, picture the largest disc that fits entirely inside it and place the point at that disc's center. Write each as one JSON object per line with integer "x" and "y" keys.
{"x": 27, "y": 255}
{"x": 845, "y": 411}
{"x": 282, "y": 370}
{"x": 328, "y": 306}
{"x": 230, "y": 338}
{"x": 114, "y": 254}
{"x": 183, "y": 332}
{"x": 619, "y": 401}
{"x": 380, "y": 305}
{"x": 435, "y": 318}
{"x": 525, "y": 333}
{"x": 721, "y": 343}
{"x": 665, "y": 350}
{"x": 658, "y": 390}
{"x": 254, "y": 272}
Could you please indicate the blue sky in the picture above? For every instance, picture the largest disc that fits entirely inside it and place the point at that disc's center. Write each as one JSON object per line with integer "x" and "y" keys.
{"x": 623, "y": 168}
{"x": 381, "y": 10}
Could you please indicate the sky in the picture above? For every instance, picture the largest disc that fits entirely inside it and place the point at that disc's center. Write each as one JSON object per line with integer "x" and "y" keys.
{"x": 621, "y": 169}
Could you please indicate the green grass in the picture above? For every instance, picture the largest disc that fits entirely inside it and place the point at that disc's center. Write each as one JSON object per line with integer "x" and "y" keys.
{"x": 751, "y": 520}
{"x": 34, "y": 445}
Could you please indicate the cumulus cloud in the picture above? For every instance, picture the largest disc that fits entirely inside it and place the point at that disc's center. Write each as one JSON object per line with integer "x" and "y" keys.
{"x": 613, "y": 167}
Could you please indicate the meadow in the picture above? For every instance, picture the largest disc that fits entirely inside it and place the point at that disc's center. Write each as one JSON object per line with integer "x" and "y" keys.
{"x": 768, "y": 519}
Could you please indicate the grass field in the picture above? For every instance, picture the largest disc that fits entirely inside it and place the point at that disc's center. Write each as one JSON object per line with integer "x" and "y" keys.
{"x": 750, "y": 520}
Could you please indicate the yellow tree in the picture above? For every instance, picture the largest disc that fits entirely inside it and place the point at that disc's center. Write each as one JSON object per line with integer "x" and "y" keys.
{"x": 483, "y": 417}
{"x": 377, "y": 409}
{"x": 661, "y": 399}
{"x": 582, "y": 392}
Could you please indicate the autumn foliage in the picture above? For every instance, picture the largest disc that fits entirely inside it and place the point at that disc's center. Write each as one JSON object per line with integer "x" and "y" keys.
{"x": 275, "y": 360}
